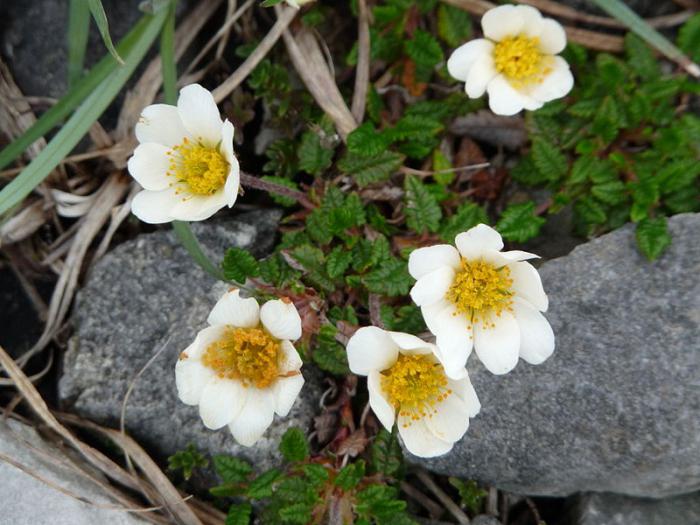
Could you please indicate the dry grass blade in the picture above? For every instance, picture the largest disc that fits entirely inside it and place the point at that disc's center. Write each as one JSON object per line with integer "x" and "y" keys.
{"x": 118, "y": 215}
{"x": 284, "y": 18}
{"x": 450, "y": 505}
{"x": 359, "y": 96}
{"x": 23, "y": 224}
{"x": 309, "y": 63}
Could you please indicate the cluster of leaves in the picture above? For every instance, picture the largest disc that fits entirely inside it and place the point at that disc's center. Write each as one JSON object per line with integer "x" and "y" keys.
{"x": 311, "y": 490}
{"x": 620, "y": 151}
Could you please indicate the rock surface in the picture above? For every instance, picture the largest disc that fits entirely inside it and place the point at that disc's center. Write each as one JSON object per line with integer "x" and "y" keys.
{"x": 148, "y": 295}
{"x": 25, "y": 500}
{"x": 617, "y": 407}
{"x": 613, "y": 509}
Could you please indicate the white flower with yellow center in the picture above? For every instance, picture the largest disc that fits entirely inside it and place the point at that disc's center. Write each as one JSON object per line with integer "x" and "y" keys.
{"x": 516, "y": 63}
{"x": 243, "y": 368}
{"x": 478, "y": 296}
{"x": 408, "y": 385}
{"x": 184, "y": 160}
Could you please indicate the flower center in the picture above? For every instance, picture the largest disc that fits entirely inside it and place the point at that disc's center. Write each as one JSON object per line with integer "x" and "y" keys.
{"x": 519, "y": 58}
{"x": 415, "y": 384}
{"x": 201, "y": 169}
{"x": 249, "y": 355}
{"x": 480, "y": 288}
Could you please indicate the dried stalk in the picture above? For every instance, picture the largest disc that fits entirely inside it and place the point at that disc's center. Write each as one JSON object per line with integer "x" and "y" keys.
{"x": 450, "y": 505}
{"x": 359, "y": 97}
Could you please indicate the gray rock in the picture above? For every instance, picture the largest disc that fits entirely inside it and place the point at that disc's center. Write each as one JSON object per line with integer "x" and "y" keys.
{"x": 617, "y": 407}
{"x": 613, "y": 509}
{"x": 148, "y": 295}
{"x": 25, "y": 500}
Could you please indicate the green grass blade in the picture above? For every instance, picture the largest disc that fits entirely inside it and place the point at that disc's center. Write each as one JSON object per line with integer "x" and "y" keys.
{"x": 78, "y": 30}
{"x": 79, "y": 124}
{"x": 71, "y": 100}
{"x": 187, "y": 238}
{"x": 167, "y": 57}
{"x": 638, "y": 25}
{"x": 98, "y": 13}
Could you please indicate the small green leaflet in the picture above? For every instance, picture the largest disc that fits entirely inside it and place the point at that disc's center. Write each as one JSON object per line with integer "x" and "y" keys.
{"x": 653, "y": 237}
{"x": 239, "y": 265}
{"x": 519, "y": 223}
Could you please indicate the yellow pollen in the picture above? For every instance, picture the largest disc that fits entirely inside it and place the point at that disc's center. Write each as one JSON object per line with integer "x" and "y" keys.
{"x": 479, "y": 289}
{"x": 519, "y": 58}
{"x": 201, "y": 169}
{"x": 414, "y": 385}
{"x": 249, "y": 355}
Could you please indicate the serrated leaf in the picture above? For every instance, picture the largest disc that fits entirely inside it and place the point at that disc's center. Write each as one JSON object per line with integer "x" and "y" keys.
{"x": 317, "y": 474}
{"x": 390, "y": 278}
{"x": 329, "y": 355}
{"x": 549, "y": 161}
{"x": 471, "y": 495}
{"x": 466, "y": 216}
{"x": 454, "y": 25}
{"x": 261, "y": 487}
{"x": 423, "y": 212}
{"x": 369, "y": 170}
{"x": 424, "y": 50}
{"x": 590, "y": 211}
{"x": 519, "y": 223}
{"x": 387, "y": 457}
{"x": 367, "y": 141}
{"x": 689, "y": 37}
{"x": 314, "y": 158}
{"x": 239, "y": 514}
{"x": 653, "y": 237}
{"x": 678, "y": 174}
{"x": 350, "y": 475}
{"x": 281, "y": 199}
{"x": 239, "y": 265}
{"x": 293, "y": 445}
{"x": 641, "y": 57}
{"x": 231, "y": 469}
{"x": 612, "y": 192}
{"x": 338, "y": 262}
{"x": 187, "y": 460}
{"x": 299, "y": 513}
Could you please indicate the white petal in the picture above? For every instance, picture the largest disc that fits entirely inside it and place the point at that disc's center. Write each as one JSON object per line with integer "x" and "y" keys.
{"x": 371, "y": 348}
{"x": 536, "y": 335}
{"x": 473, "y": 241}
{"x": 419, "y": 440}
{"x": 281, "y": 319}
{"x": 410, "y": 344}
{"x": 528, "y": 285}
{"x": 380, "y": 405}
{"x": 197, "y": 207}
{"x": 462, "y": 58}
{"x": 532, "y": 20}
{"x": 552, "y": 37}
{"x": 450, "y": 420}
{"x": 425, "y": 260}
{"x": 497, "y": 346}
{"x": 504, "y": 99}
{"x": 556, "y": 84}
{"x": 501, "y": 22}
{"x": 289, "y": 359}
{"x": 432, "y": 287}
{"x": 286, "y": 391}
{"x": 453, "y": 336}
{"x": 205, "y": 337}
{"x": 464, "y": 389}
{"x": 199, "y": 114}
{"x": 160, "y": 123}
{"x": 233, "y": 180}
{"x": 149, "y": 166}
{"x": 519, "y": 255}
{"x": 234, "y": 310}
{"x": 482, "y": 72}
{"x": 255, "y": 418}
{"x": 154, "y": 207}
{"x": 221, "y": 402}
{"x": 191, "y": 377}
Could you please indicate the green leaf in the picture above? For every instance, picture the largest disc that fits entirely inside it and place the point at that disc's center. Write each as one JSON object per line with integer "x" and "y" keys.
{"x": 612, "y": 192}
{"x": 590, "y": 211}
{"x": 299, "y": 513}
{"x": 425, "y": 52}
{"x": 338, "y": 262}
{"x": 293, "y": 445}
{"x": 471, "y": 495}
{"x": 423, "y": 212}
{"x": 282, "y": 200}
{"x": 367, "y": 141}
{"x": 641, "y": 57}
{"x": 239, "y": 265}
{"x": 350, "y": 475}
{"x": 275, "y": 270}
{"x": 406, "y": 318}
{"x": 91, "y": 108}
{"x": 689, "y": 37}
{"x": 549, "y": 161}
{"x": 330, "y": 355}
{"x": 187, "y": 460}
{"x": 239, "y": 514}
{"x": 653, "y": 237}
{"x": 231, "y": 469}
{"x": 100, "y": 17}
{"x": 454, "y": 25}
{"x": 519, "y": 223}
{"x": 261, "y": 487}
{"x": 387, "y": 457}
{"x": 369, "y": 170}
{"x": 314, "y": 158}
{"x": 78, "y": 31}
{"x": 678, "y": 174}
{"x": 317, "y": 474}
{"x": 466, "y": 216}
{"x": 391, "y": 278}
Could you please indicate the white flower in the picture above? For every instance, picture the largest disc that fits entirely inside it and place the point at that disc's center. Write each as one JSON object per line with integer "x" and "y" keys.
{"x": 476, "y": 295}
{"x": 516, "y": 62}
{"x": 298, "y": 3}
{"x": 184, "y": 161}
{"x": 408, "y": 385}
{"x": 242, "y": 369}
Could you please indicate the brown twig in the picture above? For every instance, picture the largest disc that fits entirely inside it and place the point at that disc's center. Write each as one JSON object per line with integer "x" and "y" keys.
{"x": 450, "y": 505}
{"x": 359, "y": 96}
{"x": 433, "y": 508}
{"x": 256, "y": 183}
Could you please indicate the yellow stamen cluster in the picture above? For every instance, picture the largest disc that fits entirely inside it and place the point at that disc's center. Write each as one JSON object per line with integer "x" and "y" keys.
{"x": 479, "y": 288}
{"x": 414, "y": 385}
{"x": 203, "y": 170}
{"x": 249, "y": 355}
{"x": 519, "y": 58}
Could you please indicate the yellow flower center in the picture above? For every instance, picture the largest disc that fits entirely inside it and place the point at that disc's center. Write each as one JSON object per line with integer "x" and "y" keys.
{"x": 249, "y": 355}
{"x": 519, "y": 58}
{"x": 414, "y": 385}
{"x": 201, "y": 169}
{"x": 479, "y": 289}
